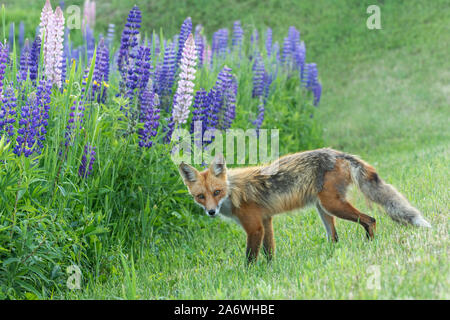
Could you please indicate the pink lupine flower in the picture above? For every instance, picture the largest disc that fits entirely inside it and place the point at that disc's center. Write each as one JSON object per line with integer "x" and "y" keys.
{"x": 46, "y": 17}
{"x": 184, "y": 94}
{"x": 89, "y": 10}
{"x": 53, "y": 48}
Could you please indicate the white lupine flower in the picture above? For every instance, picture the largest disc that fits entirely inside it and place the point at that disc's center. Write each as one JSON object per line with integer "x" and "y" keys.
{"x": 53, "y": 47}
{"x": 183, "y": 96}
{"x": 46, "y": 17}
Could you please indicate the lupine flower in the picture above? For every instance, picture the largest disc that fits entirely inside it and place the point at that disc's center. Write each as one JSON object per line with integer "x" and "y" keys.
{"x": 87, "y": 161}
{"x": 199, "y": 44}
{"x": 34, "y": 58}
{"x": 220, "y": 43}
{"x": 185, "y": 31}
{"x": 8, "y": 114}
{"x": 269, "y": 42}
{"x": 180, "y": 112}
{"x": 150, "y": 117}
{"x": 238, "y": 34}
{"x": 46, "y": 17}
{"x": 89, "y": 39}
{"x": 312, "y": 83}
{"x": 25, "y": 60}
{"x": 12, "y": 30}
{"x": 100, "y": 76}
{"x": 53, "y": 47}
{"x": 200, "y": 110}
{"x": 76, "y": 119}
{"x": 254, "y": 39}
{"x": 276, "y": 51}
{"x": 89, "y": 9}
{"x": 110, "y": 34}
{"x": 21, "y": 34}
{"x": 4, "y": 55}
{"x": 259, "y": 120}
{"x": 259, "y": 74}
{"x": 129, "y": 41}
{"x": 33, "y": 122}
{"x": 142, "y": 69}
{"x": 166, "y": 74}
{"x": 222, "y": 100}
{"x": 208, "y": 56}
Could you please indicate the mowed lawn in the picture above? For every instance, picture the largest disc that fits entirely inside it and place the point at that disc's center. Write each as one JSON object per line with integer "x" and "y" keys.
{"x": 389, "y": 105}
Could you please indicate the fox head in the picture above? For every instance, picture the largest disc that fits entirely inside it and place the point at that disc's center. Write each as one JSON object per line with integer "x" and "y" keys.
{"x": 208, "y": 188}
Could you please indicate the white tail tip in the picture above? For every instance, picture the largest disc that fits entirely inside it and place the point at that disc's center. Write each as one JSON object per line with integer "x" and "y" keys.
{"x": 421, "y": 222}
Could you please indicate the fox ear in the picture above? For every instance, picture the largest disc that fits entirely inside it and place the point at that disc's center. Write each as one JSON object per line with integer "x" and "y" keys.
{"x": 187, "y": 172}
{"x": 218, "y": 165}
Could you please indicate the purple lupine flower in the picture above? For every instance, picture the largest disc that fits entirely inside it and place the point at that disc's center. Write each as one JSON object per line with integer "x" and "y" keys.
{"x": 286, "y": 51}
{"x": 21, "y": 34}
{"x": 299, "y": 56}
{"x": 100, "y": 76}
{"x": 33, "y": 121}
{"x": 317, "y": 92}
{"x": 199, "y": 44}
{"x": 43, "y": 99}
{"x": 87, "y": 161}
{"x": 183, "y": 101}
{"x": 220, "y": 44}
{"x": 254, "y": 39}
{"x": 200, "y": 109}
{"x": 166, "y": 74}
{"x": 150, "y": 117}
{"x": 25, "y": 60}
{"x": 276, "y": 51}
{"x": 128, "y": 42}
{"x": 8, "y": 114}
{"x": 4, "y": 55}
{"x": 311, "y": 76}
{"x": 185, "y": 31}
{"x": 139, "y": 73}
{"x": 238, "y": 34}
{"x": 269, "y": 42}
{"x": 26, "y": 133}
{"x": 259, "y": 74}
{"x": 12, "y": 30}
{"x": 222, "y": 99}
{"x": 156, "y": 44}
{"x": 110, "y": 34}
{"x": 89, "y": 39}
{"x": 76, "y": 119}
{"x": 259, "y": 120}
{"x": 312, "y": 83}
{"x": 34, "y": 58}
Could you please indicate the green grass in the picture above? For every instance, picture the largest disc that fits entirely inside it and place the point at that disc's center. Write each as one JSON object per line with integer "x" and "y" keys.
{"x": 386, "y": 98}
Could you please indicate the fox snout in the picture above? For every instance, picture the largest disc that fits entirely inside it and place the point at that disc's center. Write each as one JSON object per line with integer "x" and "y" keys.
{"x": 211, "y": 212}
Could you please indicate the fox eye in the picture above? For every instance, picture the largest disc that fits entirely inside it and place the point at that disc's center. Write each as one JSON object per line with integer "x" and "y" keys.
{"x": 201, "y": 196}
{"x": 216, "y": 193}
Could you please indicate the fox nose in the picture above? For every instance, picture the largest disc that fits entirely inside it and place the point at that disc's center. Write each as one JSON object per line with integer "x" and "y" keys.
{"x": 212, "y": 212}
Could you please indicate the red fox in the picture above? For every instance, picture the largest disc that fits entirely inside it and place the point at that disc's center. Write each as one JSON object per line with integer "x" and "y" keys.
{"x": 318, "y": 177}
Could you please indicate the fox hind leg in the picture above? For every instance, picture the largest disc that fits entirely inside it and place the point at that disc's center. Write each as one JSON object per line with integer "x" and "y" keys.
{"x": 329, "y": 223}
{"x": 344, "y": 210}
{"x": 268, "y": 241}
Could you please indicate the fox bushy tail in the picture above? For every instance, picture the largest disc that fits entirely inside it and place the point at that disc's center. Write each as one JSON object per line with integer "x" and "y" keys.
{"x": 376, "y": 190}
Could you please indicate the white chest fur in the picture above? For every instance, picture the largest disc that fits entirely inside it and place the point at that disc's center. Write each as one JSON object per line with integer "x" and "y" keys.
{"x": 226, "y": 210}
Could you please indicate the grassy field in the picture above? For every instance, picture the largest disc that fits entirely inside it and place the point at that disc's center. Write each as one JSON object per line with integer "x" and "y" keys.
{"x": 386, "y": 97}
